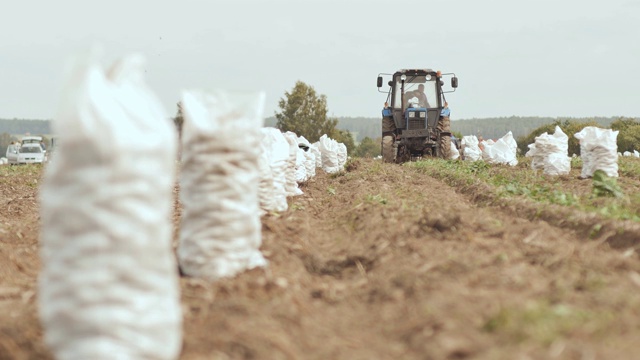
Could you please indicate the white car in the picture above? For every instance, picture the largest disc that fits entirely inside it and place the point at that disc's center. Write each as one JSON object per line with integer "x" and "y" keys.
{"x": 31, "y": 153}
{"x": 31, "y": 139}
{"x": 12, "y": 154}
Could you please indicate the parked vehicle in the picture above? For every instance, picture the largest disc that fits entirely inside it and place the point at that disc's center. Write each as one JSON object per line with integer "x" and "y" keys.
{"x": 31, "y": 140}
{"x": 13, "y": 150}
{"x": 31, "y": 153}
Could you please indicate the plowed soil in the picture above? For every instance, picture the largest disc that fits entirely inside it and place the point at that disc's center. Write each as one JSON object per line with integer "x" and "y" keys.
{"x": 379, "y": 262}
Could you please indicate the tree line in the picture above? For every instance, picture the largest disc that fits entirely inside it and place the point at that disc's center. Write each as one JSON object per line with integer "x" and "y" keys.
{"x": 24, "y": 126}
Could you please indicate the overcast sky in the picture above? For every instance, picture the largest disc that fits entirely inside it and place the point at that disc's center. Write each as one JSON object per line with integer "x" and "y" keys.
{"x": 568, "y": 58}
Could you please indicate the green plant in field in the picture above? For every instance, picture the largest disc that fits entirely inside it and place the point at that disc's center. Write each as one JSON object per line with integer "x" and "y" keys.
{"x": 516, "y": 189}
{"x": 295, "y": 207}
{"x": 605, "y": 186}
{"x": 331, "y": 190}
{"x": 376, "y": 199}
{"x": 576, "y": 162}
{"x": 375, "y": 168}
{"x": 629, "y": 166}
{"x": 337, "y": 174}
{"x": 562, "y": 198}
{"x": 506, "y": 182}
{"x": 478, "y": 166}
{"x": 543, "y": 322}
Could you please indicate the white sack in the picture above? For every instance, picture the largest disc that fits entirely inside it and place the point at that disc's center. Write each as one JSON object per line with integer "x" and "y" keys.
{"x": 273, "y": 195}
{"x": 598, "y": 150}
{"x": 635, "y": 153}
{"x": 301, "y": 169}
{"x": 220, "y": 234}
{"x": 557, "y": 164}
{"x": 502, "y": 151}
{"x": 302, "y": 141}
{"x": 108, "y": 287}
{"x": 265, "y": 189}
{"x": 341, "y": 152}
{"x": 309, "y": 157}
{"x": 329, "y": 150}
{"x": 310, "y": 164}
{"x": 303, "y": 144}
{"x": 315, "y": 149}
{"x": 511, "y": 151}
{"x": 292, "y": 165}
{"x": 454, "y": 153}
{"x": 537, "y": 157}
{"x": 471, "y": 150}
{"x": 549, "y": 153}
{"x": 312, "y": 157}
{"x": 487, "y": 152}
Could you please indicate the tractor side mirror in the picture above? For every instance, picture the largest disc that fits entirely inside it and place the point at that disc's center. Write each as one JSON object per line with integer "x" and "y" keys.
{"x": 454, "y": 82}
{"x": 390, "y": 82}
{"x": 379, "y": 81}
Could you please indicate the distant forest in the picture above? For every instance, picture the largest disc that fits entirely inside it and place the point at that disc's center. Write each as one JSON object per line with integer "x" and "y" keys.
{"x": 488, "y": 128}
{"x": 23, "y": 126}
{"x": 361, "y": 127}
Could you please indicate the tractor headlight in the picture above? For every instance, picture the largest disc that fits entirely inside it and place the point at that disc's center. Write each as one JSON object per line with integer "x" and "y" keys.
{"x": 423, "y": 114}
{"x": 412, "y": 114}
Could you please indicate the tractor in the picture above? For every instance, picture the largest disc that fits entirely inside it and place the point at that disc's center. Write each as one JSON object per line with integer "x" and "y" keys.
{"x": 414, "y": 125}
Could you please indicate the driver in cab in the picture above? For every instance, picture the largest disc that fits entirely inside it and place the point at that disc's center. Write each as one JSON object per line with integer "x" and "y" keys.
{"x": 418, "y": 93}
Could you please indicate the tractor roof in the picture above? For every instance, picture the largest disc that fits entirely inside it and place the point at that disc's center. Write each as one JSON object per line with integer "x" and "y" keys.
{"x": 415, "y": 71}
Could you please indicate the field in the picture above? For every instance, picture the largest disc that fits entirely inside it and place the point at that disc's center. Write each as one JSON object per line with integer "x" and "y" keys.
{"x": 428, "y": 260}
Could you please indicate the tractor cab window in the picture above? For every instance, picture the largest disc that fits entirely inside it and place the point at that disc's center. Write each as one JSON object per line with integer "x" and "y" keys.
{"x": 418, "y": 92}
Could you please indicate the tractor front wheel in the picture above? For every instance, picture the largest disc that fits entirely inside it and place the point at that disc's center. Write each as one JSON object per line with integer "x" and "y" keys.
{"x": 444, "y": 143}
{"x": 445, "y": 147}
{"x": 403, "y": 155}
{"x": 388, "y": 153}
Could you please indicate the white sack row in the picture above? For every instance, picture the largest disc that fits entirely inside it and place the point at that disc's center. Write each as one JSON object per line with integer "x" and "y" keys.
{"x": 502, "y": 151}
{"x": 108, "y": 286}
{"x": 288, "y": 160}
{"x": 598, "y": 149}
